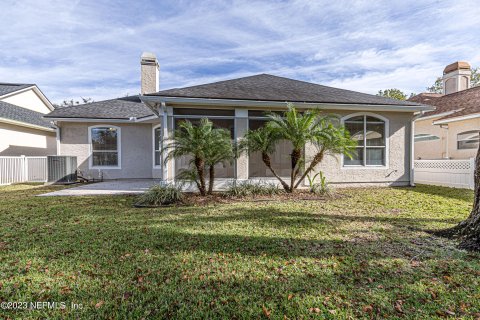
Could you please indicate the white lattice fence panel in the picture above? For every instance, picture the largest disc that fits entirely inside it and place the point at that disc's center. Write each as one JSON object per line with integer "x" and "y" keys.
{"x": 22, "y": 169}
{"x": 450, "y": 173}
{"x": 36, "y": 169}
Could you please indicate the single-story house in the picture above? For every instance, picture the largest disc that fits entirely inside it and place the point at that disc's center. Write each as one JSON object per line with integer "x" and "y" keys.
{"x": 121, "y": 138}
{"x": 23, "y": 130}
{"x": 451, "y": 131}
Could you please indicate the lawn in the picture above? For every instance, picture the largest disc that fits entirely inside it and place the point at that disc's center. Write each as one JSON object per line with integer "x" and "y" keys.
{"x": 363, "y": 255}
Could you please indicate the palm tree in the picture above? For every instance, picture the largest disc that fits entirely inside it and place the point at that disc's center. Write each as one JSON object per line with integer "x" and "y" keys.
{"x": 191, "y": 140}
{"x": 301, "y": 129}
{"x": 263, "y": 140}
{"x": 220, "y": 150}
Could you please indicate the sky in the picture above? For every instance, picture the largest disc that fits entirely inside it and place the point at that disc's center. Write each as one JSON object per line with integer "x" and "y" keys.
{"x": 74, "y": 49}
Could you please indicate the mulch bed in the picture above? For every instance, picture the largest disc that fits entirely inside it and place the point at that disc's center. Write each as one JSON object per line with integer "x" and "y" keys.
{"x": 194, "y": 199}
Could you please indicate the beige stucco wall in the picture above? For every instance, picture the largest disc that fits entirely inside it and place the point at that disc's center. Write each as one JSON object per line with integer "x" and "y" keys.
{"x": 137, "y": 154}
{"x": 397, "y": 171}
{"x": 446, "y": 147}
{"x": 433, "y": 149}
{"x": 18, "y": 140}
{"x": 136, "y": 149}
{"x": 28, "y": 99}
{"x": 454, "y": 128}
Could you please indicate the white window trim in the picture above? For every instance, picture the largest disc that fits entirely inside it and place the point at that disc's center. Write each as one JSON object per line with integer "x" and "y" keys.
{"x": 90, "y": 147}
{"x": 387, "y": 143}
{"x": 153, "y": 147}
{"x": 462, "y": 140}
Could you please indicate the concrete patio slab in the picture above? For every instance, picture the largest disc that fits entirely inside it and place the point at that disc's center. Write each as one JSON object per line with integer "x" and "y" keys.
{"x": 113, "y": 187}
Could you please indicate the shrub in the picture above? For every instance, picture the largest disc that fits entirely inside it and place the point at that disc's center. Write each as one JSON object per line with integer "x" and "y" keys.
{"x": 158, "y": 195}
{"x": 320, "y": 188}
{"x": 244, "y": 189}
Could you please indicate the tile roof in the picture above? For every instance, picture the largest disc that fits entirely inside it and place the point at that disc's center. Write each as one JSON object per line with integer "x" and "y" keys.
{"x": 6, "y": 88}
{"x": 460, "y": 103}
{"x": 265, "y": 87}
{"x": 120, "y": 108}
{"x": 16, "y": 113}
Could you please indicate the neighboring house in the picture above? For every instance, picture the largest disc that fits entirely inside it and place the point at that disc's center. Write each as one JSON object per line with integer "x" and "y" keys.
{"x": 451, "y": 131}
{"x": 23, "y": 130}
{"x": 121, "y": 138}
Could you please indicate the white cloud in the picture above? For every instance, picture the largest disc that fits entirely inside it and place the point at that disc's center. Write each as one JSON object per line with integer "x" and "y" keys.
{"x": 90, "y": 48}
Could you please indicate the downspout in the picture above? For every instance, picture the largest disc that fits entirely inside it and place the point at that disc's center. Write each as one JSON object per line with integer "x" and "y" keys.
{"x": 412, "y": 149}
{"x": 164, "y": 136}
{"x": 445, "y": 126}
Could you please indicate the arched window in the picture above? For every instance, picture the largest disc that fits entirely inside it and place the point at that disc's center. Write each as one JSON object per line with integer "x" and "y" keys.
{"x": 104, "y": 143}
{"x": 157, "y": 146}
{"x": 370, "y": 133}
{"x": 425, "y": 137}
{"x": 468, "y": 139}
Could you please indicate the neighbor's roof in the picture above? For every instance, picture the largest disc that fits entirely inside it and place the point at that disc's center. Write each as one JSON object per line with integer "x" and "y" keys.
{"x": 265, "y": 87}
{"x": 16, "y": 113}
{"x": 459, "y": 104}
{"x": 120, "y": 108}
{"x": 459, "y": 65}
{"x": 6, "y": 88}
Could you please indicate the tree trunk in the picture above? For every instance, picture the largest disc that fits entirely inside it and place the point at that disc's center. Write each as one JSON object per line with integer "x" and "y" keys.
{"x": 268, "y": 163}
{"x": 316, "y": 160}
{"x": 295, "y": 156}
{"x": 211, "y": 177}
{"x": 200, "y": 165}
{"x": 469, "y": 230}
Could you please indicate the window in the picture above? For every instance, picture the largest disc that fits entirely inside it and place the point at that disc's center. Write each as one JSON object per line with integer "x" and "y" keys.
{"x": 369, "y": 131}
{"x": 468, "y": 139}
{"x": 425, "y": 137}
{"x": 280, "y": 159}
{"x": 157, "y": 146}
{"x": 104, "y": 146}
{"x": 224, "y": 119}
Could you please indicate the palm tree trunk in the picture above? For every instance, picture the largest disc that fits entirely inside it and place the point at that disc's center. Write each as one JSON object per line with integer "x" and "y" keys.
{"x": 200, "y": 165}
{"x": 295, "y": 156}
{"x": 268, "y": 163}
{"x": 211, "y": 177}
{"x": 316, "y": 160}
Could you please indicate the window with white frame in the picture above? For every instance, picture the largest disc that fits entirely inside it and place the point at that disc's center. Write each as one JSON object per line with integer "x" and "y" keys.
{"x": 370, "y": 134}
{"x": 104, "y": 144}
{"x": 468, "y": 139}
{"x": 425, "y": 137}
{"x": 157, "y": 145}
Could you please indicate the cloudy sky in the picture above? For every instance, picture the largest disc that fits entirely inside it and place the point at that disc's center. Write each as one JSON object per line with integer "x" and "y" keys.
{"x": 92, "y": 48}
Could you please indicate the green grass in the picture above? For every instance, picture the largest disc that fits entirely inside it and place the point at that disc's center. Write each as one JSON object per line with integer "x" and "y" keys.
{"x": 364, "y": 255}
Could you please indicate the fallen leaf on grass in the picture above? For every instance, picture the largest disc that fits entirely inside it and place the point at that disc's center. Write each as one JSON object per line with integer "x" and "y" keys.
{"x": 367, "y": 309}
{"x": 266, "y": 312}
{"x": 316, "y": 310}
{"x": 398, "y": 306}
{"x": 290, "y": 296}
{"x": 99, "y": 304}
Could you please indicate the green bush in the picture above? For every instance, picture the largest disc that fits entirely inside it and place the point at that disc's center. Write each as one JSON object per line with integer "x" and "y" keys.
{"x": 320, "y": 188}
{"x": 158, "y": 195}
{"x": 245, "y": 188}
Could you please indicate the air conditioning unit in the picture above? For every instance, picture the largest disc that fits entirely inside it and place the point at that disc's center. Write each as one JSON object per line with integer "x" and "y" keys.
{"x": 62, "y": 169}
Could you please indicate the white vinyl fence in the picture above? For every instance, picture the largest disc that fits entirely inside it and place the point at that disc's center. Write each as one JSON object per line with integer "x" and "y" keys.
{"x": 22, "y": 169}
{"x": 448, "y": 173}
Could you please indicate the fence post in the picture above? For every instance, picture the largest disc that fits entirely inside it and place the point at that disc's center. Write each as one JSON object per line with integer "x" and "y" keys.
{"x": 472, "y": 173}
{"x": 24, "y": 168}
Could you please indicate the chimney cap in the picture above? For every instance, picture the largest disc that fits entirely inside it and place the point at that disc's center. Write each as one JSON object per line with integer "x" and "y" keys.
{"x": 149, "y": 58}
{"x": 459, "y": 65}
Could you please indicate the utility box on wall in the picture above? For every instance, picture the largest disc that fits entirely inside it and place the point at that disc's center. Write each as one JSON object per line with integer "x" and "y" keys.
{"x": 62, "y": 169}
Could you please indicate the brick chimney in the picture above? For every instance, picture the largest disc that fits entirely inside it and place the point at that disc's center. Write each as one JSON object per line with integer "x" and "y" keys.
{"x": 149, "y": 73}
{"x": 456, "y": 77}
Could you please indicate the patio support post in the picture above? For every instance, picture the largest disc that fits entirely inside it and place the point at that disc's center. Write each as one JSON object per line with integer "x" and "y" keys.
{"x": 241, "y": 128}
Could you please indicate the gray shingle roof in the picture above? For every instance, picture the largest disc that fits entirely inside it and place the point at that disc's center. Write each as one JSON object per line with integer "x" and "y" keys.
{"x": 120, "y": 108}
{"x": 6, "y": 88}
{"x": 16, "y": 113}
{"x": 265, "y": 87}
